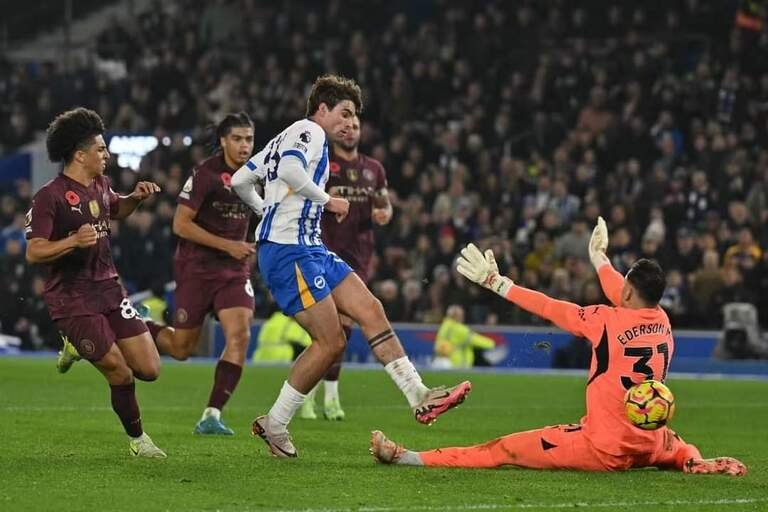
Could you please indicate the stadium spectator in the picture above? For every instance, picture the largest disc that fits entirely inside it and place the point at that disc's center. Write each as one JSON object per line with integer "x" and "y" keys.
{"x": 488, "y": 130}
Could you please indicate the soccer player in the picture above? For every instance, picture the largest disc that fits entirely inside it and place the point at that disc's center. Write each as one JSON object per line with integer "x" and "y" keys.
{"x": 211, "y": 266}
{"x": 632, "y": 342}
{"x": 68, "y": 228}
{"x": 362, "y": 181}
{"x": 308, "y": 281}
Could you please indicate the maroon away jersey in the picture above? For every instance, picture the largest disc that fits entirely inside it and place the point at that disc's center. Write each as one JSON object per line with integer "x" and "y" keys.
{"x": 83, "y": 282}
{"x": 357, "y": 181}
{"x": 220, "y": 212}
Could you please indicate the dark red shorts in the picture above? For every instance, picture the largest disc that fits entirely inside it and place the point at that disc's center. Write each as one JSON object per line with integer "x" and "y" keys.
{"x": 94, "y": 335}
{"x": 196, "y": 297}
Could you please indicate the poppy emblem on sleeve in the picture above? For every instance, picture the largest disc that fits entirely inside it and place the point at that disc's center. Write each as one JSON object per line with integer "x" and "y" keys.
{"x": 72, "y": 198}
{"x": 226, "y": 179}
{"x": 335, "y": 168}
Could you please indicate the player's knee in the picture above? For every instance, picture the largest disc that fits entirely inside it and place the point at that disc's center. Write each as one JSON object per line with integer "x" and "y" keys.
{"x": 334, "y": 343}
{"x": 181, "y": 354}
{"x": 120, "y": 375}
{"x": 148, "y": 374}
{"x": 338, "y": 344}
{"x": 238, "y": 340}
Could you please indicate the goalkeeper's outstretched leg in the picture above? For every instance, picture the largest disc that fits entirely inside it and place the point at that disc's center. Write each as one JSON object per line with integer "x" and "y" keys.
{"x": 557, "y": 447}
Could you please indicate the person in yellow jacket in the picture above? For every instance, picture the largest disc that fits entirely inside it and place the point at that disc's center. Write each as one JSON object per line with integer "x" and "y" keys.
{"x": 455, "y": 341}
{"x": 279, "y": 338}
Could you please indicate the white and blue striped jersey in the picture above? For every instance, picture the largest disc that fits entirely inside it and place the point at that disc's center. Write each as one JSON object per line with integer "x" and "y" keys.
{"x": 290, "y": 218}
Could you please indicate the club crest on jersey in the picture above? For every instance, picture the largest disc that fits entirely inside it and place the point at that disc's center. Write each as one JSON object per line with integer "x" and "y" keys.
{"x": 226, "y": 179}
{"x": 335, "y": 168}
{"x": 353, "y": 174}
{"x": 368, "y": 174}
{"x": 305, "y": 137}
{"x": 93, "y": 206}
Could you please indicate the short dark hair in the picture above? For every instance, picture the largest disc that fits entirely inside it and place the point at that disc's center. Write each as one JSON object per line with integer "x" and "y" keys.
{"x": 239, "y": 120}
{"x": 332, "y": 89}
{"x": 72, "y": 131}
{"x": 647, "y": 278}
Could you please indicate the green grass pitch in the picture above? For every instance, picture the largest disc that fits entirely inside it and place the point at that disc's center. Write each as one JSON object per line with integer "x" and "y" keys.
{"x": 63, "y": 448}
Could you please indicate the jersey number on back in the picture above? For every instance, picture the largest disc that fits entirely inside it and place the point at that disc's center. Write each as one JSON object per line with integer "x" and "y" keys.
{"x": 644, "y": 354}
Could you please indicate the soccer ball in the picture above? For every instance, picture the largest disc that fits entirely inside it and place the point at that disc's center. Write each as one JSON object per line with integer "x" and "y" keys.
{"x": 649, "y": 405}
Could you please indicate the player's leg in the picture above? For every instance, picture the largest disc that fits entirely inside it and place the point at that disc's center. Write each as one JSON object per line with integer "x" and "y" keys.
{"x": 298, "y": 280}
{"x": 677, "y": 454}
{"x": 557, "y": 447}
{"x": 194, "y": 299}
{"x": 135, "y": 343}
{"x": 321, "y": 321}
{"x": 94, "y": 339}
{"x": 332, "y": 403}
{"x": 236, "y": 323}
{"x": 118, "y": 373}
{"x": 355, "y": 300}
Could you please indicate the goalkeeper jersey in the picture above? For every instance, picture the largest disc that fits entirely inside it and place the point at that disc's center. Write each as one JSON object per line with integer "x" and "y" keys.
{"x": 629, "y": 346}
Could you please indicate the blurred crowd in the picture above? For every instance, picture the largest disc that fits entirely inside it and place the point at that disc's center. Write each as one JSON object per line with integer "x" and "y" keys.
{"x": 511, "y": 124}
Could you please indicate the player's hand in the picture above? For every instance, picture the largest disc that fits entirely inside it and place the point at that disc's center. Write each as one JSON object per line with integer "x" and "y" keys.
{"x": 240, "y": 250}
{"x": 482, "y": 269}
{"x": 144, "y": 189}
{"x": 598, "y": 244}
{"x": 339, "y": 206}
{"x": 381, "y": 216}
{"x": 86, "y": 236}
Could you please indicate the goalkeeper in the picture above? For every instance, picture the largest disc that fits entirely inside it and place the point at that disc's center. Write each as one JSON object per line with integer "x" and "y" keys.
{"x": 632, "y": 341}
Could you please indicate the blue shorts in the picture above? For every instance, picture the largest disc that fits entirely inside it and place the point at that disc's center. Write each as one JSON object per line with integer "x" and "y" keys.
{"x": 298, "y": 276}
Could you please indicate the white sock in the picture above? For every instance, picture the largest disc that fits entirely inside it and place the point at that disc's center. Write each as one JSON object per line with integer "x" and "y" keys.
{"x": 331, "y": 390}
{"x": 288, "y": 402}
{"x": 211, "y": 411}
{"x": 410, "y": 458}
{"x": 312, "y": 392}
{"x": 407, "y": 379}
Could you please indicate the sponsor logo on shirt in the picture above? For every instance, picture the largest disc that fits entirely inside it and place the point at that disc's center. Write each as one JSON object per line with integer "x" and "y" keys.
{"x": 305, "y": 137}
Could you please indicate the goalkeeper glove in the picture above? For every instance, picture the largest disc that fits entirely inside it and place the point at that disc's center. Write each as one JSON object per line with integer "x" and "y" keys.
{"x": 598, "y": 244}
{"x": 482, "y": 269}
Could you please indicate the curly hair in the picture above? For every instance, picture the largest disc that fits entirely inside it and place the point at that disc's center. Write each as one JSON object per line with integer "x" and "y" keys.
{"x": 332, "y": 89}
{"x": 72, "y": 131}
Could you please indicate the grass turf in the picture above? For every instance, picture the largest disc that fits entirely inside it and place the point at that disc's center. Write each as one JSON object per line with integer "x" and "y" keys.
{"x": 63, "y": 447}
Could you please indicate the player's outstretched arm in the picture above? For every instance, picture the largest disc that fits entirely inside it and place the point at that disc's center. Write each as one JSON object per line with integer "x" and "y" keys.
{"x": 610, "y": 280}
{"x": 243, "y": 182}
{"x": 483, "y": 270}
{"x": 126, "y": 205}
